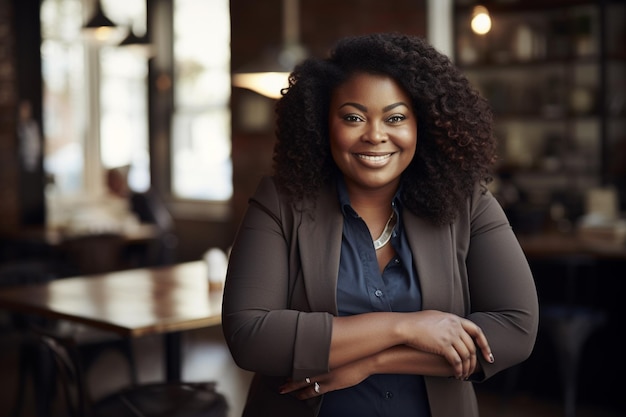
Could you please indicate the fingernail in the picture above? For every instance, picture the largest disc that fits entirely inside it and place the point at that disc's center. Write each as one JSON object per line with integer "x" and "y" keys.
{"x": 491, "y": 359}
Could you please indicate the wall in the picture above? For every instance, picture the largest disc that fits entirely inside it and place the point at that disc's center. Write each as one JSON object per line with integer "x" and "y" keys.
{"x": 21, "y": 184}
{"x": 9, "y": 205}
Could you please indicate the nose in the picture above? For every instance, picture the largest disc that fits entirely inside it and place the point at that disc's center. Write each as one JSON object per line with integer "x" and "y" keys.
{"x": 375, "y": 133}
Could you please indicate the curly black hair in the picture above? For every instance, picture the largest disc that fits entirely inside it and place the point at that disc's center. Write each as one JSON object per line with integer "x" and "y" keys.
{"x": 456, "y": 147}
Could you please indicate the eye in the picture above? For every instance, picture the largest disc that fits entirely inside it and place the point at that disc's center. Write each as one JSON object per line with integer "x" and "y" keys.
{"x": 353, "y": 118}
{"x": 396, "y": 118}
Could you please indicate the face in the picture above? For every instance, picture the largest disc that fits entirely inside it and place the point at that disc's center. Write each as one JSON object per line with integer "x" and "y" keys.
{"x": 373, "y": 131}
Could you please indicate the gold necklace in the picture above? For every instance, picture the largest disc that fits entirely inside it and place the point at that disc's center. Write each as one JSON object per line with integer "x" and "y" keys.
{"x": 385, "y": 236}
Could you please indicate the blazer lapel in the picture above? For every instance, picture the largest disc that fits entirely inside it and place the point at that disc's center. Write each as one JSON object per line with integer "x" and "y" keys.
{"x": 319, "y": 239}
{"x": 433, "y": 257}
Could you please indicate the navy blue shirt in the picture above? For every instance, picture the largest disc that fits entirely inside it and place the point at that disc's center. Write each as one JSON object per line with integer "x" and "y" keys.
{"x": 361, "y": 288}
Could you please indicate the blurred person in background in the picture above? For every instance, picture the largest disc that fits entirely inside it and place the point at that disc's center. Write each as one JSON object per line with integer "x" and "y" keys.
{"x": 147, "y": 208}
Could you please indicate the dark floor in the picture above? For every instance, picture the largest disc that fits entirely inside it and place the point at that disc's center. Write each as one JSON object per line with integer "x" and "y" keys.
{"x": 207, "y": 358}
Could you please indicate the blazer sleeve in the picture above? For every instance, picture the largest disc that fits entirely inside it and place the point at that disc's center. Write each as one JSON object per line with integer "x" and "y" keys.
{"x": 502, "y": 290}
{"x": 263, "y": 334}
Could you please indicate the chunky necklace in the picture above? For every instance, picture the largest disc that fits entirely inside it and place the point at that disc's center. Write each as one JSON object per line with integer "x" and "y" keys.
{"x": 385, "y": 236}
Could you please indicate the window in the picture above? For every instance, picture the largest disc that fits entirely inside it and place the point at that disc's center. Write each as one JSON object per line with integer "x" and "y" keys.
{"x": 201, "y": 152}
{"x": 64, "y": 112}
{"x": 123, "y": 99}
{"x": 95, "y": 101}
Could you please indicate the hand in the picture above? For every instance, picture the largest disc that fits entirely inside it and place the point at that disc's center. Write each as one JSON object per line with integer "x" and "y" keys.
{"x": 450, "y": 336}
{"x": 343, "y": 377}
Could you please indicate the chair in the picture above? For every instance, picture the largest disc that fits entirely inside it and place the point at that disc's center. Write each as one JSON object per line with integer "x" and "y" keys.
{"x": 95, "y": 253}
{"x": 569, "y": 326}
{"x": 197, "y": 399}
{"x": 150, "y": 208}
{"x": 24, "y": 273}
{"x": 569, "y": 329}
{"x": 91, "y": 343}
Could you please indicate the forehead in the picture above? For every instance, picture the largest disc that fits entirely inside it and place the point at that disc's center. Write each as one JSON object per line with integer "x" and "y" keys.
{"x": 366, "y": 86}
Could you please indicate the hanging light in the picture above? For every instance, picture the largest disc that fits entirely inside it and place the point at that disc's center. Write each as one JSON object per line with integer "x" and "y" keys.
{"x": 481, "y": 21}
{"x": 100, "y": 29}
{"x": 139, "y": 44}
{"x": 270, "y": 75}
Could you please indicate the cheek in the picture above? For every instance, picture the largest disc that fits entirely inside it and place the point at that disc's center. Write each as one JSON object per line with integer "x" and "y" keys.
{"x": 339, "y": 141}
{"x": 335, "y": 144}
{"x": 409, "y": 140}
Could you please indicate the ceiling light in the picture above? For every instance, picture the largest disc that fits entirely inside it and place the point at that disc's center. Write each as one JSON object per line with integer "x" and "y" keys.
{"x": 481, "y": 21}
{"x": 139, "y": 44}
{"x": 100, "y": 29}
{"x": 270, "y": 75}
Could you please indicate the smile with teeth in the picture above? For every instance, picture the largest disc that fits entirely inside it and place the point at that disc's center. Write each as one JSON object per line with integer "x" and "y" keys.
{"x": 373, "y": 158}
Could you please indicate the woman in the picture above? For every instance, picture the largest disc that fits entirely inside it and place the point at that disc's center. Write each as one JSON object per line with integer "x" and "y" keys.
{"x": 373, "y": 273}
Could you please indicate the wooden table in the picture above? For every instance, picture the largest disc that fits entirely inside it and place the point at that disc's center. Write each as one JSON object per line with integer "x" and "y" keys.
{"x": 53, "y": 237}
{"x": 547, "y": 245}
{"x": 132, "y": 303}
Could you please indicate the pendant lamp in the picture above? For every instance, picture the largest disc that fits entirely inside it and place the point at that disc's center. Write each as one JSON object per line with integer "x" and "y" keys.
{"x": 99, "y": 29}
{"x": 270, "y": 74}
{"x": 481, "y": 21}
{"x": 139, "y": 44}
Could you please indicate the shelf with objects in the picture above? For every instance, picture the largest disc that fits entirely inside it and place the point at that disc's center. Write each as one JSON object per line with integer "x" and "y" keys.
{"x": 553, "y": 73}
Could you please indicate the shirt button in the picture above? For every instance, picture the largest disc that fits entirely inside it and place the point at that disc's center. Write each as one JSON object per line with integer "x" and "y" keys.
{"x": 396, "y": 261}
{"x": 388, "y": 395}
{"x": 378, "y": 293}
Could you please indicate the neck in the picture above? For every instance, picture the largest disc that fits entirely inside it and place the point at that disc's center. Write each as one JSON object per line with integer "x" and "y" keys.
{"x": 373, "y": 206}
{"x": 372, "y": 200}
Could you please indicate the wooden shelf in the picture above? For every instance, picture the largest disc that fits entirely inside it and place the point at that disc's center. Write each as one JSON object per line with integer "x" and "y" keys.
{"x": 548, "y": 68}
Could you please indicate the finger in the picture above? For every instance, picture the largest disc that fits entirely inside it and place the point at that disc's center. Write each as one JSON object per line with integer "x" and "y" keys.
{"x": 470, "y": 363}
{"x": 317, "y": 388}
{"x": 289, "y": 387}
{"x": 292, "y": 386}
{"x": 483, "y": 344}
{"x": 473, "y": 365}
{"x": 480, "y": 339}
{"x": 465, "y": 356}
{"x": 314, "y": 390}
{"x": 454, "y": 359}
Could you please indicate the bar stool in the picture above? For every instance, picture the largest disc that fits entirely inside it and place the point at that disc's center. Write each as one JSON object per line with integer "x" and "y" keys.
{"x": 32, "y": 362}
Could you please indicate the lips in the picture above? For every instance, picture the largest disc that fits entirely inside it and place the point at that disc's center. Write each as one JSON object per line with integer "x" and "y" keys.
{"x": 377, "y": 159}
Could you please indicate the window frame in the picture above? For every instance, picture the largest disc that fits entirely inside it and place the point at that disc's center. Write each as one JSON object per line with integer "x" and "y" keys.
{"x": 161, "y": 89}
{"x": 160, "y": 111}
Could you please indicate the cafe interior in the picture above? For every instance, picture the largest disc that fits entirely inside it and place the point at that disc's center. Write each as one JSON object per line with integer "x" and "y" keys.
{"x": 133, "y": 132}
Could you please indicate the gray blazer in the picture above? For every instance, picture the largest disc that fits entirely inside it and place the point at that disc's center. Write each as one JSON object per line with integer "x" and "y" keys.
{"x": 279, "y": 297}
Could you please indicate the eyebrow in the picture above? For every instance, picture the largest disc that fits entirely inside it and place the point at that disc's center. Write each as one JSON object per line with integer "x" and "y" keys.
{"x": 364, "y": 108}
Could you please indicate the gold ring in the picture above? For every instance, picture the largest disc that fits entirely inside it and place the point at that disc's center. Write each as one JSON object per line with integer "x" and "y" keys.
{"x": 316, "y": 387}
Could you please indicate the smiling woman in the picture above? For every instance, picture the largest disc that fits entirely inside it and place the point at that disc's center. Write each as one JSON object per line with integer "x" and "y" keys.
{"x": 377, "y": 221}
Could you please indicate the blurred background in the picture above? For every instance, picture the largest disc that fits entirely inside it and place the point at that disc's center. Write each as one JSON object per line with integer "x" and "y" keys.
{"x": 154, "y": 130}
